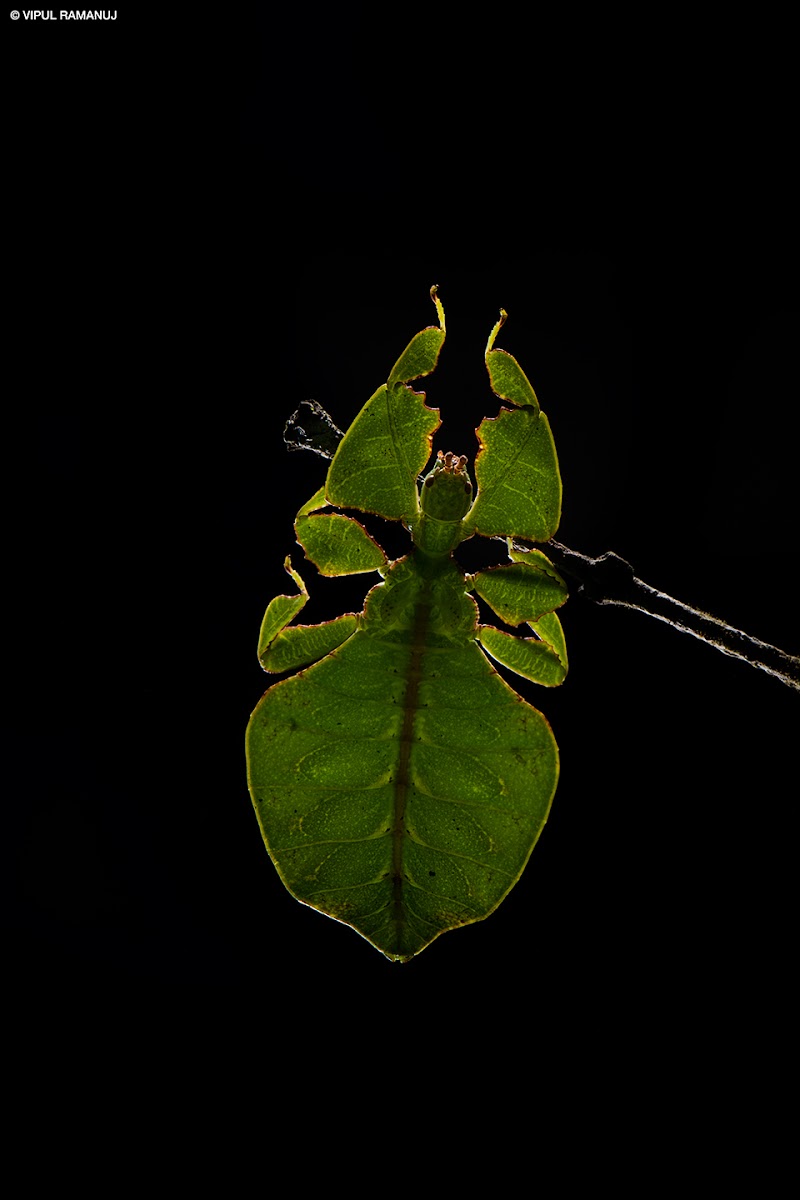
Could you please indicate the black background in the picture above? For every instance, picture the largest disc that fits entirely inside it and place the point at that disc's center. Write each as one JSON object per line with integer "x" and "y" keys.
{"x": 213, "y": 224}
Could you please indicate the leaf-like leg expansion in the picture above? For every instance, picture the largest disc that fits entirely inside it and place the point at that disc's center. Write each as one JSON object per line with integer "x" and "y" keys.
{"x": 337, "y": 545}
{"x": 550, "y": 630}
{"x": 526, "y": 591}
{"x": 506, "y": 376}
{"x": 282, "y": 649}
{"x": 282, "y": 609}
{"x": 304, "y": 644}
{"x": 520, "y": 592}
{"x": 549, "y": 626}
{"x": 538, "y": 660}
{"x": 534, "y": 556}
{"x": 376, "y": 465}
{"x": 519, "y": 485}
{"x": 422, "y": 352}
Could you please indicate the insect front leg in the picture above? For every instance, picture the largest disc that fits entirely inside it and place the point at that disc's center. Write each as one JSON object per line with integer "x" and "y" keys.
{"x": 337, "y": 545}
{"x": 379, "y": 459}
{"x": 519, "y": 485}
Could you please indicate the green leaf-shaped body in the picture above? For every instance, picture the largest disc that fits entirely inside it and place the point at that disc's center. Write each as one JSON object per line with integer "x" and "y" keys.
{"x": 400, "y": 783}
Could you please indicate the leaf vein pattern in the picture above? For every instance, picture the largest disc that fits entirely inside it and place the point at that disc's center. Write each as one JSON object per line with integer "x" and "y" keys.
{"x": 466, "y": 857}
{"x": 374, "y": 837}
{"x": 440, "y": 897}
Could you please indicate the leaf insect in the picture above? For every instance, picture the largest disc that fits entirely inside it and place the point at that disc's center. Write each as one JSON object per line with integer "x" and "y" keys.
{"x": 400, "y": 783}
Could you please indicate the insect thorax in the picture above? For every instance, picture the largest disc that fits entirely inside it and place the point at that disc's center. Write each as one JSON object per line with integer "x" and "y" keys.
{"x": 417, "y": 593}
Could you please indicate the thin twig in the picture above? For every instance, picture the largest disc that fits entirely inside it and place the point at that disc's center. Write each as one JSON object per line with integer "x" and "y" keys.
{"x": 312, "y": 429}
{"x": 609, "y": 579}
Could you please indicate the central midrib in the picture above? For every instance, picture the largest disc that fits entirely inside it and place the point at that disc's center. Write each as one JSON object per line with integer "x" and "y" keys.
{"x": 418, "y": 634}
